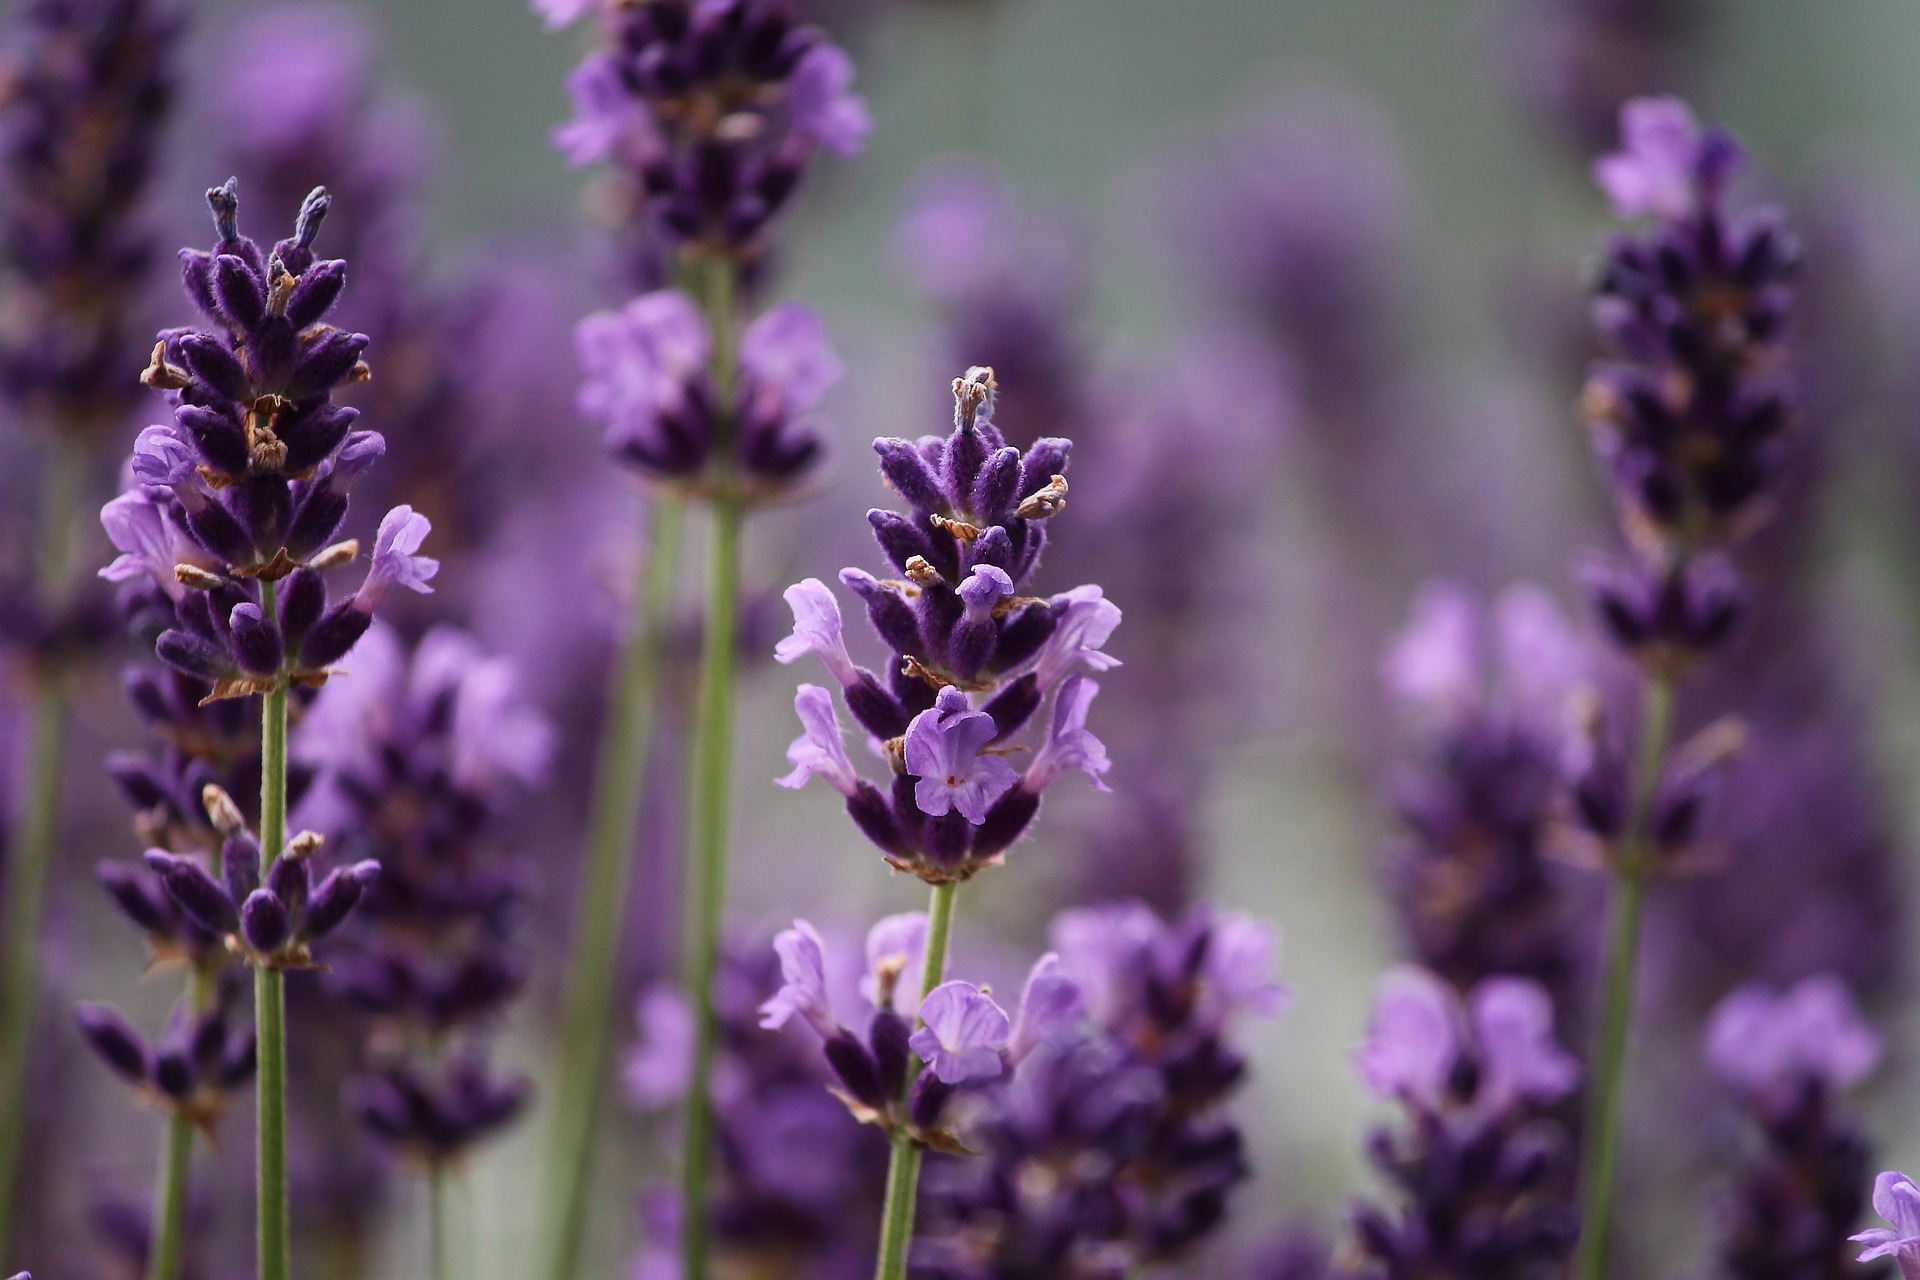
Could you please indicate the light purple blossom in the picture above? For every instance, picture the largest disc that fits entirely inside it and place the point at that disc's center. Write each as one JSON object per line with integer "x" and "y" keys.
{"x": 984, "y": 588}
{"x": 1051, "y": 1008}
{"x": 1242, "y": 954}
{"x": 637, "y": 361}
{"x": 1897, "y": 1199}
{"x": 1089, "y": 619}
{"x": 817, "y": 628}
{"x": 803, "y": 972}
{"x": 1654, "y": 169}
{"x": 1440, "y": 665}
{"x": 395, "y": 559}
{"x": 898, "y": 943}
{"x": 1069, "y": 745}
{"x": 496, "y": 733}
{"x": 944, "y": 751}
{"x": 563, "y": 13}
{"x": 1099, "y": 946}
{"x": 161, "y": 457}
{"x": 1519, "y": 1059}
{"x": 964, "y": 1034}
{"x": 1761, "y": 1041}
{"x": 822, "y": 104}
{"x": 1435, "y": 662}
{"x": 1415, "y": 1033}
{"x": 819, "y": 751}
{"x": 608, "y": 123}
{"x": 787, "y": 359}
{"x": 147, "y": 541}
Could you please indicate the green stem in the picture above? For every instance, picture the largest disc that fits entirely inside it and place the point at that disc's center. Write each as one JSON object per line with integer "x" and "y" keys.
{"x": 176, "y": 1163}
{"x": 707, "y": 866}
{"x": 437, "y": 1226}
{"x": 1601, "y": 1151}
{"x": 619, "y": 784}
{"x": 270, "y": 989}
{"x": 36, "y": 832}
{"x": 903, "y": 1168}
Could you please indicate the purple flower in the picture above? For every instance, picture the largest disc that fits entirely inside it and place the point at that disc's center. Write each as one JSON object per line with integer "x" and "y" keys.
{"x": 1069, "y": 745}
{"x": 1654, "y": 170}
{"x": 821, "y": 101}
{"x": 638, "y": 361}
{"x": 161, "y": 456}
{"x": 1242, "y": 954}
{"x": 984, "y": 588}
{"x": 786, "y": 358}
{"x": 1519, "y": 1059}
{"x": 496, "y": 734}
{"x": 1443, "y": 667}
{"x": 1761, "y": 1041}
{"x": 1435, "y": 662}
{"x": 395, "y": 562}
{"x": 1897, "y": 1199}
{"x": 945, "y": 751}
{"x": 1415, "y": 1034}
{"x": 963, "y": 1035}
{"x": 1087, "y": 619}
{"x": 606, "y": 124}
{"x": 816, "y": 629}
{"x": 896, "y": 957}
{"x": 803, "y": 990}
{"x": 819, "y": 751}
{"x": 148, "y": 541}
{"x": 1051, "y": 1009}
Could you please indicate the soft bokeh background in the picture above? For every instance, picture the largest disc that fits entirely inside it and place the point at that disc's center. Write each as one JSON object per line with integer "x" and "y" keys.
{"x": 1081, "y": 101}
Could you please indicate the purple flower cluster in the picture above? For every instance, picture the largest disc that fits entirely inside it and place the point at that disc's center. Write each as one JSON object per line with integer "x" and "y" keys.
{"x": 1801, "y": 1186}
{"x": 1482, "y": 1159}
{"x": 1689, "y": 416}
{"x": 88, "y": 86}
{"x": 974, "y": 658}
{"x": 1489, "y": 692}
{"x": 197, "y": 1060}
{"x": 1105, "y": 1150}
{"x": 245, "y": 490}
{"x": 416, "y": 757}
{"x": 650, "y": 382}
{"x": 711, "y": 112}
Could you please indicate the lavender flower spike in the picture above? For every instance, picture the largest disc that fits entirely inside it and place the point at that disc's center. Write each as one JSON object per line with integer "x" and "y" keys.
{"x": 1897, "y": 1199}
{"x": 964, "y": 1034}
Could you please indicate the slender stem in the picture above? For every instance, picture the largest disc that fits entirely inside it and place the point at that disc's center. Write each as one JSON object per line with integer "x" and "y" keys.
{"x": 707, "y": 867}
{"x": 619, "y": 783}
{"x": 36, "y": 831}
{"x": 437, "y": 1225}
{"x": 270, "y": 990}
{"x": 903, "y": 1168}
{"x": 176, "y": 1163}
{"x": 1601, "y": 1151}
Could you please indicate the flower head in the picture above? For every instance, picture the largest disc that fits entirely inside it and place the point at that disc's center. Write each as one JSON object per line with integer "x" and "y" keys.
{"x": 963, "y": 1035}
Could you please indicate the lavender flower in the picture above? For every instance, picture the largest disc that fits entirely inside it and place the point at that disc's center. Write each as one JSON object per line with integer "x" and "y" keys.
{"x": 649, "y": 382}
{"x": 1490, "y": 697}
{"x": 1897, "y": 1199}
{"x": 1104, "y": 1148}
{"x": 710, "y": 113}
{"x": 89, "y": 84}
{"x": 1801, "y": 1183}
{"x": 974, "y": 658}
{"x": 1482, "y": 1158}
{"x": 254, "y": 470}
{"x": 418, "y": 757}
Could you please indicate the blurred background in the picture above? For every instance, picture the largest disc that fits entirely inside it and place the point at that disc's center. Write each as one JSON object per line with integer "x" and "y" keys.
{"x": 1331, "y": 259}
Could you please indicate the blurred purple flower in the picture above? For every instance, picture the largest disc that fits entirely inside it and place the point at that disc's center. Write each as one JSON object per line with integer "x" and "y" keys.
{"x": 964, "y": 1034}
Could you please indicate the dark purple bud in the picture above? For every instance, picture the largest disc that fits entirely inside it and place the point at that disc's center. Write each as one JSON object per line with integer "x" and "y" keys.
{"x": 172, "y": 1074}
{"x": 313, "y": 435}
{"x": 322, "y": 511}
{"x": 319, "y": 286}
{"x": 324, "y": 361}
{"x": 1045, "y": 459}
{"x": 947, "y": 837}
{"x": 138, "y": 780}
{"x": 1014, "y": 705}
{"x": 264, "y": 508}
{"x": 877, "y": 710}
{"x": 930, "y": 1096}
{"x": 1021, "y": 636}
{"x": 901, "y": 538}
{"x": 112, "y": 1037}
{"x": 255, "y": 642}
{"x": 216, "y": 529}
{"x": 138, "y": 898}
{"x": 289, "y": 880}
{"x": 192, "y": 654}
{"x": 887, "y": 1038}
{"x": 998, "y": 487}
{"x": 907, "y": 471}
{"x": 241, "y": 294}
{"x": 330, "y": 639}
{"x": 303, "y": 598}
{"x": 336, "y": 897}
{"x": 238, "y": 1061}
{"x": 1006, "y": 821}
{"x": 188, "y": 883}
{"x": 264, "y": 922}
{"x": 209, "y": 360}
{"x": 874, "y": 816}
{"x": 240, "y": 865}
{"x": 857, "y": 1069}
{"x": 222, "y": 440}
{"x": 887, "y": 609}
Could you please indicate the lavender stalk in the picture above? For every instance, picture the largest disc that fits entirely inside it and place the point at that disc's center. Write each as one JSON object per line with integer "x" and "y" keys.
{"x": 903, "y": 1168}
{"x": 88, "y": 87}
{"x": 711, "y": 116}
